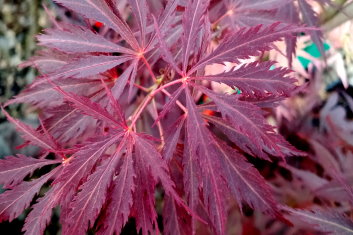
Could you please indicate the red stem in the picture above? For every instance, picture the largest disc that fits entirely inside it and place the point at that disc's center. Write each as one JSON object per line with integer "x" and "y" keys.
{"x": 149, "y": 97}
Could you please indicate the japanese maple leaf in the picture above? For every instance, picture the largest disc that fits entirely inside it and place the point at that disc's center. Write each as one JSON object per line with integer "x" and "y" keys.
{"x": 243, "y": 13}
{"x": 122, "y": 115}
{"x": 201, "y": 157}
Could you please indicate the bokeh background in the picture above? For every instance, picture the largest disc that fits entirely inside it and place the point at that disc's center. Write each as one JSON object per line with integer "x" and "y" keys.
{"x": 20, "y": 21}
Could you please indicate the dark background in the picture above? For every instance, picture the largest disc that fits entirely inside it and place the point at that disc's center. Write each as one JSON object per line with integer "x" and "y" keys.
{"x": 20, "y": 21}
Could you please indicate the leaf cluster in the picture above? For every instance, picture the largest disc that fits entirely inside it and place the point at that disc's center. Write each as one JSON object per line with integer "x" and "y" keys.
{"x": 128, "y": 108}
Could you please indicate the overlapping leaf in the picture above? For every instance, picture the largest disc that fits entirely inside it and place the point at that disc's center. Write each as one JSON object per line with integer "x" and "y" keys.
{"x": 328, "y": 221}
{"x": 140, "y": 11}
{"x": 47, "y": 61}
{"x": 192, "y": 22}
{"x": 44, "y": 93}
{"x": 155, "y": 165}
{"x": 112, "y": 171}
{"x": 79, "y": 40}
{"x": 310, "y": 18}
{"x": 89, "y": 201}
{"x": 256, "y": 79}
{"x": 81, "y": 163}
{"x": 201, "y": 149}
{"x": 247, "y": 119}
{"x": 243, "y": 181}
{"x": 90, "y": 108}
{"x": 89, "y": 66}
{"x": 14, "y": 201}
{"x": 144, "y": 201}
{"x": 174, "y": 220}
{"x": 289, "y": 14}
{"x": 241, "y": 140}
{"x": 40, "y": 215}
{"x": 31, "y": 135}
{"x": 13, "y": 169}
{"x": 247, "y": 42}
{"x": 100, "y": 11}
{"x": 118, "y": 210}
{"x": 66, "y": 124}
{"x": 172, "y": 138}
{"x": 242, "y": 13}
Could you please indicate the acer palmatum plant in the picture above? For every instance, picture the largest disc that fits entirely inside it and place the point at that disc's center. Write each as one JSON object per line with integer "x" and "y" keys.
{"x": 127, "y": 109}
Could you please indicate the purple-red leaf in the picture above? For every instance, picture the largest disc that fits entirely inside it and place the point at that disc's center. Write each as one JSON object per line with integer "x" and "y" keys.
{"x": 40, "y": 216}
{"x": 156, "y": 165}
{"x": 166, "y": 54}
{"x": 120, "y": 84}
{"x": 247, "y": 42}
{"x": 46, "y": 61}
{"x": 140, "y": 10}
{"x": 172, "y": 138}
{"x": 89, "y": 66}
{"x": 143, "y": 208}
{"x": 175, "y": 220}
{"x": 245, "y": 182}
{"x": 67, "y": 124}
{"x": 88, "y": 107}
{"x": 80, "y": 164}
{"x": 45, "y": 93}
{"x": 327, "y": 221}
{"x": 79, "y": 40}
{"x": 256, "y": 79}
{"x": 100, "y": 11}
{"x": 201, "y": 147}
{"x": 14, "y": 201}
{"x": 262, "y": 5}
{"x": 116, "y": 108}
{"x": 242, "y": 141}
{"x": 247, "y": 13}
{"x": 93, "y": 193}
{"x": 246, "y": 119}
{"x": 192, "y": 23}
{"x": 168, "y": 106}
{"x": 311, "y": 20}
{"x": 191, "y": 179}
{"x": 289, "y": 14}
{"x": 120, "y": 199}
{"x": 93, "y": 62}
{"x": 31, "y": 135}
{"x": 14, "y": 169}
